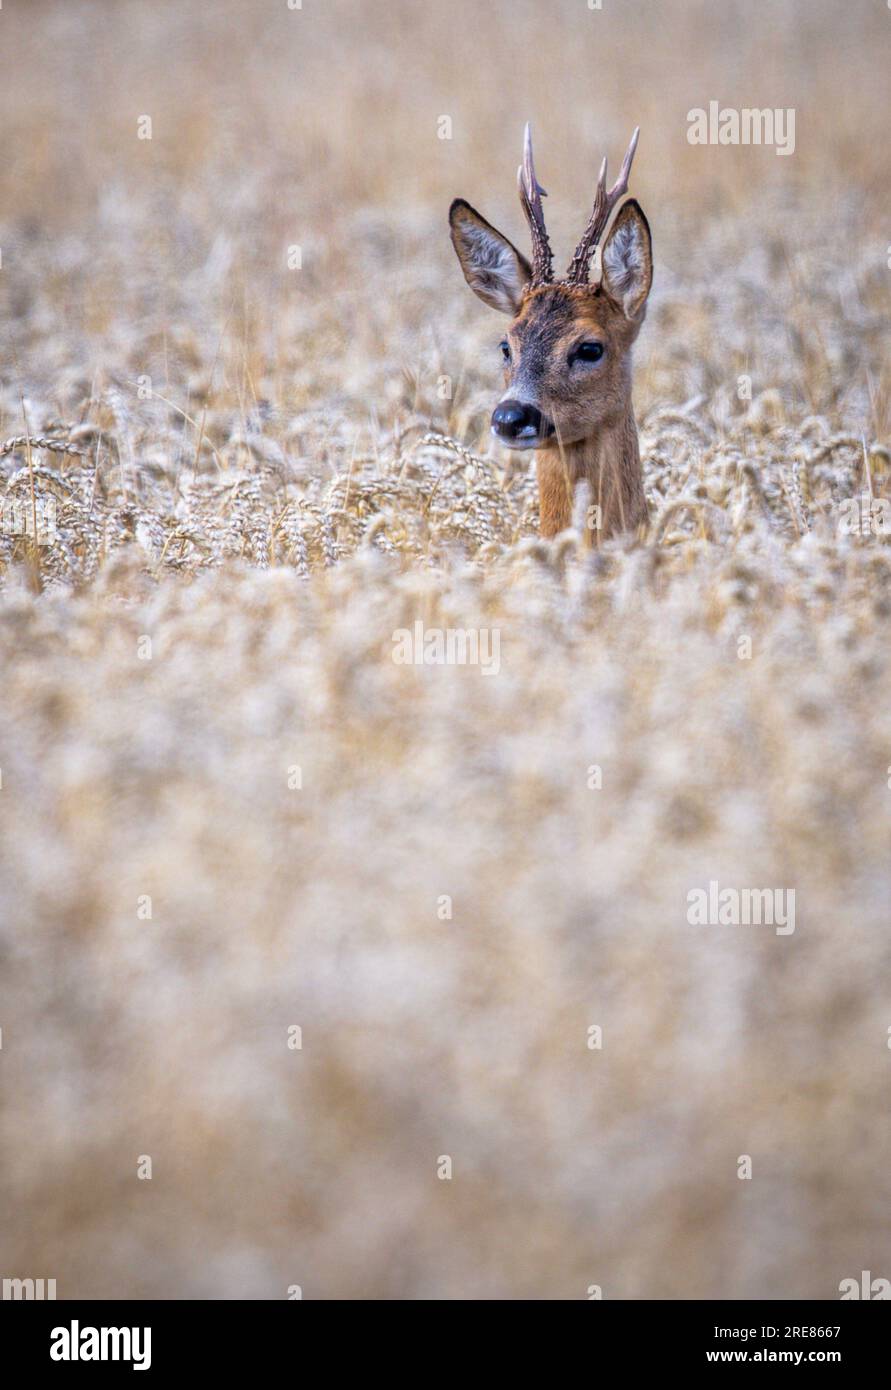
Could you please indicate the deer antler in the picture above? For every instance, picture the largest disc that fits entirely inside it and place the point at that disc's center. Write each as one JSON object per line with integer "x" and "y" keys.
{"x": 531, "y": 193}
{"x": 604, "y": 203}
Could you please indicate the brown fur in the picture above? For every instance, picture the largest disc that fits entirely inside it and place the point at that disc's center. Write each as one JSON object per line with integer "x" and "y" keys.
{"x": 586, "y": 405}
{"x": 616, "y": 489}
{"x": 596, "y": 437}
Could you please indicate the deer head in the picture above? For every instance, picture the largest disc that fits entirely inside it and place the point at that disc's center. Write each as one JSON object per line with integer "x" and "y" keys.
{"x": 567, "y": 350}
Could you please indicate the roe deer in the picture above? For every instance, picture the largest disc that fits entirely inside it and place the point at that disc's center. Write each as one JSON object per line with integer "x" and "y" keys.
{"x": 567, "y": 352}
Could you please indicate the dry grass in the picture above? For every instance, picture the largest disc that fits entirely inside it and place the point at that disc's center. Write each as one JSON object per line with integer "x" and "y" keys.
{"x": 294, "y": 490}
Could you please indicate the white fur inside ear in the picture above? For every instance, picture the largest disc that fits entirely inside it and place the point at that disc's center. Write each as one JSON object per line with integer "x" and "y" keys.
{"x": 492, "y": 267}
{"x": 626, "y": 264}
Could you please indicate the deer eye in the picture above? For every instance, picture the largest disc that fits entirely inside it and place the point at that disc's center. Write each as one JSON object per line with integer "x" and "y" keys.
{"x": 588, "y": 352}
{"x": 505, "y": 349}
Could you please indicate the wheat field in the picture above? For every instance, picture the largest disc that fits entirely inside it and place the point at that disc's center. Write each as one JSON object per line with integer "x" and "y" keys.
{"x": 243, "y": 376}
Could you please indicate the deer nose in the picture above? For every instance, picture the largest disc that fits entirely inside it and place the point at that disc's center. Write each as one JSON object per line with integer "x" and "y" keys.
{"x": 514, "y": 420}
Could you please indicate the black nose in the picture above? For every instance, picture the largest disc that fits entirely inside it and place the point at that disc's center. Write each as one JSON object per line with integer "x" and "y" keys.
{"x": 513, "y": 420}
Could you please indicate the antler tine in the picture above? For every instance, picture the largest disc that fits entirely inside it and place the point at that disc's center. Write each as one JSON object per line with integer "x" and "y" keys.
{"x": 601, "y": 180}
{"x": 604, "y": 203}
{"x": 620, "y": 187}
{"x": 531, "y": 193}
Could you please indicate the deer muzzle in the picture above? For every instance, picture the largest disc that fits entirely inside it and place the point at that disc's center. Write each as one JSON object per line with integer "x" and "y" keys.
{"x": 520, "y": 426}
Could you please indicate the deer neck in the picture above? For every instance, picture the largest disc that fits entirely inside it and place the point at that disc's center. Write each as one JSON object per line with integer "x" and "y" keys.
{"x": 609, "y": 461}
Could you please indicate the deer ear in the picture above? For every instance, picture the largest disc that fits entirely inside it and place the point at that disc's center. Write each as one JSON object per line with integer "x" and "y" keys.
{"x": 493, "y": 268}
{"x": 627, "y": 260}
